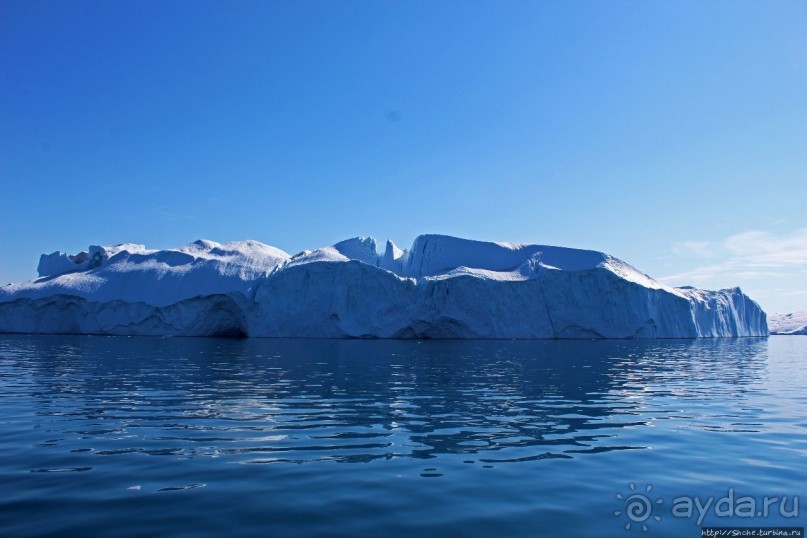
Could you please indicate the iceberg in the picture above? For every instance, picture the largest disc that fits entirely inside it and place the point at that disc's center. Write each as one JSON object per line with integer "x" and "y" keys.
{"x": 441, "y": 287}
{"x": 792, "y": 323}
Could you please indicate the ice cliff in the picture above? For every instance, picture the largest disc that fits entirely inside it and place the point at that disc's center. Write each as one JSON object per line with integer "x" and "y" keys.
{"x": 442, "y": 287}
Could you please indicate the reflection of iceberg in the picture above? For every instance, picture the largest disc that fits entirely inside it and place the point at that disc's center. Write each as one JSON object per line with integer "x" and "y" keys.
{"x": 443, "y": 287}
{"x": 285, "y": 400}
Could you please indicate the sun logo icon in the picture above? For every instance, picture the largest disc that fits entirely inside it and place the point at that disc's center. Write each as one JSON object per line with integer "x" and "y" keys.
{"x": 638, "y": 507}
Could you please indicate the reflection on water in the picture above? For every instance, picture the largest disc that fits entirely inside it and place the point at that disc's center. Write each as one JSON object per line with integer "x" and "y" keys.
{"x": 121, "y": 409}
{"x": 263, "y": 401}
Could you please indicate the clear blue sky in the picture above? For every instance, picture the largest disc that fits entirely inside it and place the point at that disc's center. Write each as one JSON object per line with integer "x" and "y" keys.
{"x": 670, "y": 134}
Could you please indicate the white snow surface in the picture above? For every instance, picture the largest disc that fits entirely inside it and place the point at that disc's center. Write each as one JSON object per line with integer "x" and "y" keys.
{"x": 442, "y": 287}
{"x": 792, "y": 323}
{"x": 132, "y": 273}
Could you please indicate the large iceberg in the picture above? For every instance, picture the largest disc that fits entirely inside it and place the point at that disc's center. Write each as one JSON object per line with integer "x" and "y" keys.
{"x": 792, "y": 323}
{"x": 442, "y": 287}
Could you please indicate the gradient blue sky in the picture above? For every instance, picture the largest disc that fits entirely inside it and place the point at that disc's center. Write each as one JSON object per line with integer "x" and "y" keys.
{"x": 670, "y": 134}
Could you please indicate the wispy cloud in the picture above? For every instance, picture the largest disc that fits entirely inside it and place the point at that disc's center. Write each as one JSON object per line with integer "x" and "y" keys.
{"x": 762, "y": 249}
{"x": 699, "y": 249}
{"x": 752, "y": 254}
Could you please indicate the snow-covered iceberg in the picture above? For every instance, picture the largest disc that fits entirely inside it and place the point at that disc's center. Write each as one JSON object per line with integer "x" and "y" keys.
{"x": 442, "y": 287}
{"x": 792, "y": 323}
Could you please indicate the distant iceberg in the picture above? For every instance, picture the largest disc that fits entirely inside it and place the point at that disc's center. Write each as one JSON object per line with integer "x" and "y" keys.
{"x": 792, "y": 323}
{"x": 442, "y": 287}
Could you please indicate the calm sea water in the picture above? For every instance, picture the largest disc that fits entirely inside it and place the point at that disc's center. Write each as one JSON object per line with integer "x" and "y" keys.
{"x": 195, "y": 437}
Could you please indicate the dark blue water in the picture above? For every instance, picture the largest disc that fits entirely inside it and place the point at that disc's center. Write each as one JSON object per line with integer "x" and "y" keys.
{"x": 195, "y": 437}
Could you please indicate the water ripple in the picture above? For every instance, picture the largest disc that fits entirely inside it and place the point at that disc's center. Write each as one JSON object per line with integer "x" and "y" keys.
{"x": 173, "y": 415}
